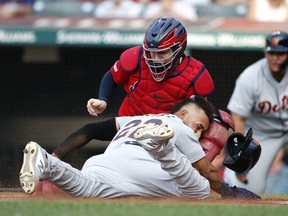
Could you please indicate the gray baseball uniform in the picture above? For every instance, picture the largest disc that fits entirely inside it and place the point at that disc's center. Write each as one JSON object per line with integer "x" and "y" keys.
{"x": 264, "y": 102}
{"x": 125, "y": 168}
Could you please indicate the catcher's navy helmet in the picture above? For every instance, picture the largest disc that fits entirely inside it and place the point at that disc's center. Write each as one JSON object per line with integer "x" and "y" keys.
{"x": 242, "y": 152}
{"x": 164, "y": 34}
{"x": 277, "y": 42}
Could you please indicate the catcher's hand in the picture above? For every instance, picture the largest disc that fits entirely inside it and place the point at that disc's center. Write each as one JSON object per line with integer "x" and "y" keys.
{"x": 96, "y": 106}
{"x": 240, "y": 193}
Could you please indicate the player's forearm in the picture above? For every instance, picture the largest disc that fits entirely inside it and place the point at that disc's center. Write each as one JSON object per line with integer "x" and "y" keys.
{"x": 104, "y": 131}
{"x": 207, "y": 170}
{"x": 216, "y": 183}
{"x": 215, "y": 180}
{"x": 239, "y": 123}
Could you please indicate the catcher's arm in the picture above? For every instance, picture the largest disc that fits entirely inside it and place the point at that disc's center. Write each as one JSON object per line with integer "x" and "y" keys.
{"x": 104, "y": 130}
{"x": 96, "y": 106}
{"x": 106, "y": 91}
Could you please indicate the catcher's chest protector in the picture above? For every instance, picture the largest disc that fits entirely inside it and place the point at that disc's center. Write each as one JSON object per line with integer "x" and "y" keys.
{"x": 145, "y": 95}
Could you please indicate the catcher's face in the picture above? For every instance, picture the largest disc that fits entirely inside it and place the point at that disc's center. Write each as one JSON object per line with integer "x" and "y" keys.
{"x": 160, "y": 61}
{"x": 163, "y": 56}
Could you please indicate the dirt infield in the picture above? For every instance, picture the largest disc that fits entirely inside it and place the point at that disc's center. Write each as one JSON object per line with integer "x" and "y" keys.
{"x": 18, "y": 195}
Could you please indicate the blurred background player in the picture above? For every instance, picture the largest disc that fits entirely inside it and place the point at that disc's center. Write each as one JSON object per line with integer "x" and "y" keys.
{"x": 10, "y": 8}
{"x": 268, "y": 10}
{"x": 179, "y": 9}
{"x": 260, "y": 101}
{"x": 278, "y": 174}
{"x": 118, "y": 9}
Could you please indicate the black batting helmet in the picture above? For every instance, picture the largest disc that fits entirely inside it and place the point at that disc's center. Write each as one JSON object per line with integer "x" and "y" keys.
{"x": 242, "y": 152}
{"x": 277, "y": 42}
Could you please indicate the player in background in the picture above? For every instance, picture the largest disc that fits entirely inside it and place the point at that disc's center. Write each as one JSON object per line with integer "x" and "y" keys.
{"x": 173, "y": 165}
{"x": 260, "y": 101}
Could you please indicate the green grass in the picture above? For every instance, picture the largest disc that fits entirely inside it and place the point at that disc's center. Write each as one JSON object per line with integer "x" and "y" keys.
{"x": 110, "y": 208}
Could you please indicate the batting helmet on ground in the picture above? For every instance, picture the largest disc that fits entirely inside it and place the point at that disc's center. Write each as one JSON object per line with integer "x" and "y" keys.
{"x": 242, "y": 152}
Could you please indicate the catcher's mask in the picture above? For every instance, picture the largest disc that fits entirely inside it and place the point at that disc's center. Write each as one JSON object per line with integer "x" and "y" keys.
{"x": 242, "y": 152}
{"x": 164, "y": 34}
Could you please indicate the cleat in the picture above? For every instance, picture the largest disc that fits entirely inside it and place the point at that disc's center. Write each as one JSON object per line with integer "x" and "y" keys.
{"x": 35, "y": 162}
{"x": 153, "y": 137}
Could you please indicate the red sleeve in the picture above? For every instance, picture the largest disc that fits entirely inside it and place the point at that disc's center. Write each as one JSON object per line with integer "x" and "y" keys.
{"x": 203, "y": 84}
{"x": 119, "y": 76}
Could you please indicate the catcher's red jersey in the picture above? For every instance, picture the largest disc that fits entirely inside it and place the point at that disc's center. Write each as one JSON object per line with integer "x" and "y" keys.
{"x": 145, "y": 95}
